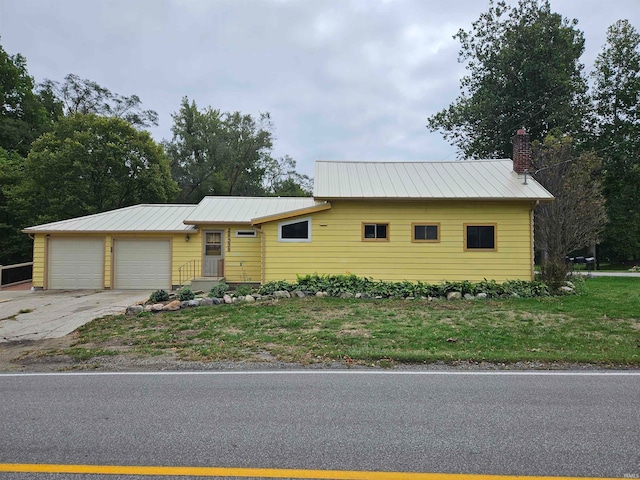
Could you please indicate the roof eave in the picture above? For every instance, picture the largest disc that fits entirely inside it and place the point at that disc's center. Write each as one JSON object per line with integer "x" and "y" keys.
{"x": 50, "y": 230}
{"x": 222, "y": 222}
{"x": 291, "y": 213}
{"x": 488, "y": 199}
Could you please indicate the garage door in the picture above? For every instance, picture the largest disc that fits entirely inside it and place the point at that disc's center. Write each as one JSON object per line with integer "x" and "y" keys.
{"x": 142, "y": 264}
{"x": 75, "y": 263}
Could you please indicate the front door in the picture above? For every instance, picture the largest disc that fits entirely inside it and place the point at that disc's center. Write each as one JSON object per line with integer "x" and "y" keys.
{"x": 212, "y": 254}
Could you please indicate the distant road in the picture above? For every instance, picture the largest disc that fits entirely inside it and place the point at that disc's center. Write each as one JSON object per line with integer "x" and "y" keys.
{"x": 526, "y": 423}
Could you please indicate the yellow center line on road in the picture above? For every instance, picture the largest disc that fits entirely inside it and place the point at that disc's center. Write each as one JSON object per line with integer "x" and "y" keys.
{"x": 260, "y": 472}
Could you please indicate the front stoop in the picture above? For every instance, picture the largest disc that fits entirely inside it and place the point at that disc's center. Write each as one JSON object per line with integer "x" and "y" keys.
{"x": 205, "y": 283}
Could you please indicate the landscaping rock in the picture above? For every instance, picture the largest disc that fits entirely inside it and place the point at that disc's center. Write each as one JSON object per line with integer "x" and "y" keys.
{"x": 468, "y": 296}
{"x": 300, "y": 294}
{"x": 249, "y": 298}
{"x": 207, "y": 301}
{"x": 281, "y": 294}
{"x": 227, "y": 299}
{"x": 134, "y": 309}
{"x": 566, "y": 289}
{"x": 157, "y": 307}
{"x": 216, "y": 301}
{"x": 322, "y": 294}
{"x": 172, "y": 306}
{"x": 481, "y": 296}
{"x": 190, "y": 303}
{"x": 148, "y": 308}
{"x": 454, "y": 296}
{"x": 346, "y": 295}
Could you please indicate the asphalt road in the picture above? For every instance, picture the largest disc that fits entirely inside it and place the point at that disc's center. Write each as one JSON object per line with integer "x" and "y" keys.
{"x": 480, "y": 423}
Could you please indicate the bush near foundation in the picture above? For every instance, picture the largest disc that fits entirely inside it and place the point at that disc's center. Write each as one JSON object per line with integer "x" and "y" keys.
{"x": 336, "y": 285}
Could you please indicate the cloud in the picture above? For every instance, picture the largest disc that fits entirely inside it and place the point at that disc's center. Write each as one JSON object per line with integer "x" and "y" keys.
{"x": 342, "y": 79}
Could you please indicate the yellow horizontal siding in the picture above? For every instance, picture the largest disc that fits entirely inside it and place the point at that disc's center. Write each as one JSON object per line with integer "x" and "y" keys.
{"x": 38, "y": 260}
{"x": 108, "y": 243}
{"x": 337, "y": 246}
{"x": 242, "y": 261}
{"x": 183, "y": 252}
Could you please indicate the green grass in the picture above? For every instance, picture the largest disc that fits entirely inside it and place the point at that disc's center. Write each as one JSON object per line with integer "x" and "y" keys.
{"x": 599, "y": 326}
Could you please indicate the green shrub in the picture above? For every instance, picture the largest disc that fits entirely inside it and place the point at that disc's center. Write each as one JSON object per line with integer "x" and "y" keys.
{"x": 554, "y": 274}
{"x": 218, "y": 290}
{"x": 159, "y": 296}
{"x": 335, "y": 285}
{"x": 243, "y": 290}
{"x": 274, "y": 286}
{"x": 185, "y": 294}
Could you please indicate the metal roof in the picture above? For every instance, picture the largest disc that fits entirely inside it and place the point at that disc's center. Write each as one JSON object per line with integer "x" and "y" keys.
{"x": 244, "y": 209}
{"x": 137, "y": 218}
{"x": 470, "y": 179}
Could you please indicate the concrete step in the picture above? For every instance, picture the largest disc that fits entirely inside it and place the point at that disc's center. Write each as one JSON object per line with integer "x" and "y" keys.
{"x": 205, "y": 283}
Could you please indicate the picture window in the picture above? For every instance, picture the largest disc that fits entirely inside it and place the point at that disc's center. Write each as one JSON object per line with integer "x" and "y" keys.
{"x": 295, "y": 231}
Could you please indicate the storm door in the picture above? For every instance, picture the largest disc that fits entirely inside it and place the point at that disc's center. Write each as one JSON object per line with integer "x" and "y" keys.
{"x": 212, "y": 265}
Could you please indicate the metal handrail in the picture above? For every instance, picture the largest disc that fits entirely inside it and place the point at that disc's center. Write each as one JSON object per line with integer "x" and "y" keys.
{"x": 188, "y": 271}
{"x": 17, "y": 265}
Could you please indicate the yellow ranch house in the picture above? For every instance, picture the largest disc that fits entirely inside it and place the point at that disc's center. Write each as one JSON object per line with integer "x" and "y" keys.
{"x": 427, "y": 221}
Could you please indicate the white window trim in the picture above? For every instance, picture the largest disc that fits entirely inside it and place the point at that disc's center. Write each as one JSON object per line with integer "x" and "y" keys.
{"x": 246, "y": 233}
{"x": 295, "y": 240}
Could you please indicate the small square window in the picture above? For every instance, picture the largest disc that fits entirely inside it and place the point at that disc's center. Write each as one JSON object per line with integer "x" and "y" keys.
{"x": 480, "y": 237}
{"x": 375, "y": 231}
{"x": 426, "y": 232}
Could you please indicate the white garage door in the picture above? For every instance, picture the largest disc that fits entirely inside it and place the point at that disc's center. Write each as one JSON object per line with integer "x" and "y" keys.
{"x": 75, "y": 263}
{"x": 142, "y": 264}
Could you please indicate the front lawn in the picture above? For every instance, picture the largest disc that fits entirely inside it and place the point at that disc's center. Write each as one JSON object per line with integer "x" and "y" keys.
{"x": 599, "y": 326}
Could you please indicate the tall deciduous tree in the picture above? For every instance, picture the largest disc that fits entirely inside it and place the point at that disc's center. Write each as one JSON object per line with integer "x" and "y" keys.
{"x": 89, "y": 164}
{"x": 577, "y": 215}
{"x": 617, "y": 104}
{"x": 223, "y": 153}
{"x": 24, "y": 113}
{"x": 283, "y": 180}
{"x": 523, "y": 70}
{"x": 80, "y": 95}
{"x": 15, "y": 247}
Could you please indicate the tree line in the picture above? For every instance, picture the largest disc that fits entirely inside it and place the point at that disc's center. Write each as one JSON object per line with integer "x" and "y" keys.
{"x": 524, "y": 70}
{"x": 75, "y": 148}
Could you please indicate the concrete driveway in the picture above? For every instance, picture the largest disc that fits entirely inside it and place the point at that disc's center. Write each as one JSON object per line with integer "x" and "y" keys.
{"x": 56, "y": 313}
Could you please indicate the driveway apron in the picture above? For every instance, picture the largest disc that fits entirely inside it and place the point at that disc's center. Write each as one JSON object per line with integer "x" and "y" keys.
{"x": 27, "y": 315}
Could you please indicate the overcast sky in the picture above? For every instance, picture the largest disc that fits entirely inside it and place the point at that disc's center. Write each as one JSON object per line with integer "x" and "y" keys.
{"x": 343, "y": 80}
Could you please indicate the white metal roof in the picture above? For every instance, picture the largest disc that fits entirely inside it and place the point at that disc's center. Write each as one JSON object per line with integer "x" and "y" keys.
{"x": 244, "y": 209}
{"x": 137, "y": 218}
{"x": 470, "y": 179}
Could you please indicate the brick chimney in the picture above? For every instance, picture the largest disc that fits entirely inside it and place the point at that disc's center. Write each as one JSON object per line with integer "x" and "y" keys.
{"x": 521, "y": 151}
